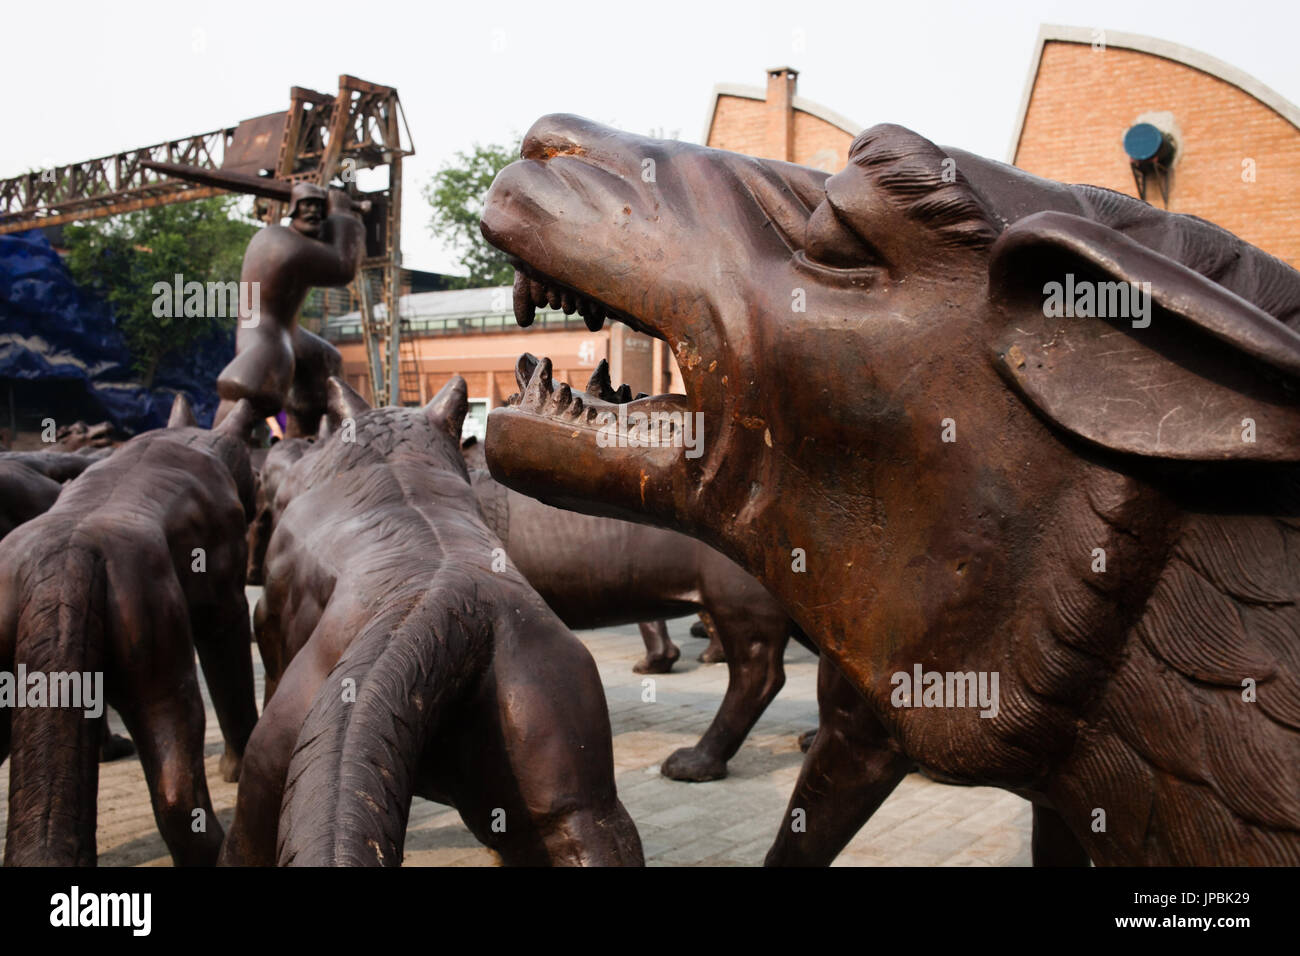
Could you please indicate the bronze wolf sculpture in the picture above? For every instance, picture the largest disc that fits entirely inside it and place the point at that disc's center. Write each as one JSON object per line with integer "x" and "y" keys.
{"x": 661, "y": 652}
{"x": 600, "y": 572}
{"x": 30, "y": 483}
{"x": 410, "y": 667}
{"x": 1020, "y": 429}
{"x": 138, "y": 564}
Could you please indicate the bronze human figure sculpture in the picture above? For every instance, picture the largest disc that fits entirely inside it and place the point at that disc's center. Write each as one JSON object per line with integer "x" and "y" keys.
{"x": 412, "y": 667}
{"x": 277, "y": 363}
{"x": 138, "y": 564}
{"x": 1099, "y": 509}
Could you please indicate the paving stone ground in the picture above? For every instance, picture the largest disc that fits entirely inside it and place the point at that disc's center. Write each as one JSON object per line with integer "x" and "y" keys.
{"x": 728, "y": 822}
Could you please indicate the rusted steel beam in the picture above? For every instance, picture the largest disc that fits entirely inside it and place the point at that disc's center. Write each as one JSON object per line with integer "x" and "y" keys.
{"x": 37, "y": 198}
{"x": 116, "y": 208}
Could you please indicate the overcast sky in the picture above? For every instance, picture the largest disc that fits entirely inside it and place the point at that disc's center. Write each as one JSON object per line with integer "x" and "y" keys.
{"x": 87, "y": 79}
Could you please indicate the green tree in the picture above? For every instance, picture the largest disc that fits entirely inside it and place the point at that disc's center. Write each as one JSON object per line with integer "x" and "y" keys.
{"x": 456, "y": 194}
{"x": 121, "y": 258}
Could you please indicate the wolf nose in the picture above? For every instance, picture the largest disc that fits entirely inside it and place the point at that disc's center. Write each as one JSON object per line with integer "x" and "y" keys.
{"x": 560, "y": 134}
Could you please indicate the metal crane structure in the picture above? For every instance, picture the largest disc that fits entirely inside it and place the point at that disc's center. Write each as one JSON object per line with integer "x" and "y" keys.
{"x": 320, "y": 138}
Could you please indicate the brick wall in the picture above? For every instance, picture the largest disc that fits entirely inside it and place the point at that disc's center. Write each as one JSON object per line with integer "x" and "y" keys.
{"x": 740, "y": 125}
{"x": 819, "y": 144}
{"x": 1084, "y": 99}
{"x": 487, "y": 361}
{"x": 774, "y": 128}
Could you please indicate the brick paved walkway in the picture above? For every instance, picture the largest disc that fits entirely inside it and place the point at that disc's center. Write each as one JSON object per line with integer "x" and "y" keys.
{"x": 726, "y": 822}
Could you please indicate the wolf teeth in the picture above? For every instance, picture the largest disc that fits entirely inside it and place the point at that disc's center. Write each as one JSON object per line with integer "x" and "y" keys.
{"x": 560, "y": 399}
{"x": 539, "y": 394}
{"x": 524, "y": 310}
{"x": 598, "y": 385}
{"x": 538, "y": 293}
{"x": 539, "y": 386}
{"x": 531, "y": 294}
{"x": 525, "y": 365}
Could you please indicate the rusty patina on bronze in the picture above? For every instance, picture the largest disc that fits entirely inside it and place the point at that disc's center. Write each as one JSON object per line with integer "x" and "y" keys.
{"x": 137, "y": 565}
{"x": 403, "y": 663}
{"x": 834, "y": 331}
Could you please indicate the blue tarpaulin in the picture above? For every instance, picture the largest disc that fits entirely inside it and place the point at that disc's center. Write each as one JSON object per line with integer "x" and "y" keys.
{"x": 50, "y": 330}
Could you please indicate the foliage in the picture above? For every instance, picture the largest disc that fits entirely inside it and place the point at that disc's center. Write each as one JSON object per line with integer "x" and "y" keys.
{"x": 455, "y": 194}
{"x": 121, "y": 258}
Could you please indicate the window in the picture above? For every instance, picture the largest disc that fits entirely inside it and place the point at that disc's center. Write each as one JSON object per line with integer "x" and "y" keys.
{"x": 476, "y": 420}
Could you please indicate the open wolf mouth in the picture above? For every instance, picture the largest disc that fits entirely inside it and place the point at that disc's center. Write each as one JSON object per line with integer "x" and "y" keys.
{"x": 621, "y": 419}
{"x": 533, "y": 291}
{"x": 588, "y": 233}
{"x": 539, "y": 395}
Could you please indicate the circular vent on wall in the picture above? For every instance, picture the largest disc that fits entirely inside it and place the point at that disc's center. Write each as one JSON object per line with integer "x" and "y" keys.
{"x": 1151, "y": 152}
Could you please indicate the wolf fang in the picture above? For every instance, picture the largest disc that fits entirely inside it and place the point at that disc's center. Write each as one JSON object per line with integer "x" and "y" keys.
{"x": 71, "y": 909}
{"x": 943, "y": 690}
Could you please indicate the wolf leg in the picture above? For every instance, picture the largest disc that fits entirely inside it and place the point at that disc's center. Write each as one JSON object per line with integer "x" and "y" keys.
{"x": 660, "y": 651}
{"x": 754, "y": 645}
{"x": 221, "y": 635}
{"x": 849, "y": 771}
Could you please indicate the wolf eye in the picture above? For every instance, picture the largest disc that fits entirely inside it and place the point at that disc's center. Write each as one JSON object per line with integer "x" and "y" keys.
{"x": 829, "y": 242}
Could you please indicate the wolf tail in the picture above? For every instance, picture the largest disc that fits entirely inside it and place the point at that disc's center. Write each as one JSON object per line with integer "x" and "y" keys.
{"x": 353, "y": 773}
{"x": 54, "y": 776}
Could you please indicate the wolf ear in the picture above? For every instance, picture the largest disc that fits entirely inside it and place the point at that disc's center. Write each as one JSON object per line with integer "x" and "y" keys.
{"x": 449, "y": 407}
{"x": 1131, "y": 350}
{"x": 323, "y": 429}
{"x": 239, "y": 421}
{"x": 182, "y": 416}
{"x": 343, "y": 402}
{"x": 901, "y": 202}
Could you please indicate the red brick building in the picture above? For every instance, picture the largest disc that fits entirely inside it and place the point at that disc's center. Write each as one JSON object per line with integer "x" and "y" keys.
{"x": 1236, "y": 143}
{"x": 774, "y": 122}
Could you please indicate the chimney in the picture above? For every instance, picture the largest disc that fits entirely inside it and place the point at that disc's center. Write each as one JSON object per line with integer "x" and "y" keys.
{"x": 779, "y": 142}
